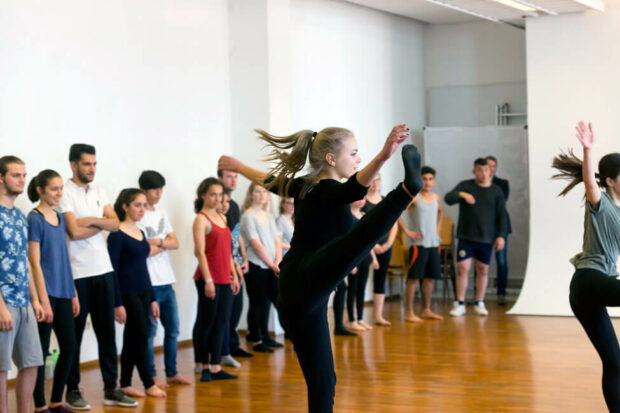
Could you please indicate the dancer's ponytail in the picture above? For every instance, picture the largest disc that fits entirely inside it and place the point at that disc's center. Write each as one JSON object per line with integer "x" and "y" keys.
{"x": 571, "y": 168}
{"x": 304, "y": 145}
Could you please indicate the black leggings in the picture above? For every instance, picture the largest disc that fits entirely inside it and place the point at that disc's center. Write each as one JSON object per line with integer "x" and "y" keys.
{"x": 338, "y": 304}
{"x": 135, "y": 338}
{"x": 590, "y": 292}
{"x": 357, "y": 289}
{"x": 211, "y": 320}
{"x": 64, "y": 328}
{"x": 262, "y": 287}
{"x": 306, "y": 283}
{"x": 381, "y": 273}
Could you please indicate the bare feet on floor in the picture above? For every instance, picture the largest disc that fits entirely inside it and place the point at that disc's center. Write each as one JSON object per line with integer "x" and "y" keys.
{"x": 429, "y": 315}
{"x": 155, "y": 391}
{"x": 355, "y": 326}
{"x": 132, "y": 392}
{"x": 364, "y": 325}
{"x": 382, "y": 322}
{"x": 412, "y": 318}
{"x": 160, "y": 383}
{"x": 178, "y": 379}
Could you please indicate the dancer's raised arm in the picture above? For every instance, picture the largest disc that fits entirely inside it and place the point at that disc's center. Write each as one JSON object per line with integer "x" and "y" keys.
{"x": 228, "y": 163}
{"x": 397, "y": 136}
{"x": 586, "y": 137}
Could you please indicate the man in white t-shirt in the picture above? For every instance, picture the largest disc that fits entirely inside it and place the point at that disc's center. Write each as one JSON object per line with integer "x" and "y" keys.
{"x": 88, "y": 212}
{"x": 158, "y": 230}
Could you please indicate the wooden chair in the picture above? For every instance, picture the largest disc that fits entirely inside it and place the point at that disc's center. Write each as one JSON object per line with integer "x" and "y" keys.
{"x": 447, "y": 256}
{"x": 399, "y": 265}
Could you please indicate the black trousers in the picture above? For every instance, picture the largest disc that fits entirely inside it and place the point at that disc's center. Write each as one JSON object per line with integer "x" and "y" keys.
{"x": 357, "y": 289}
{"x": 338, "y": 304}
{"x": 591, "y": 291}
{"x": 211, "y": 319}
{"x": 64, "y": 328}
{"x": 96, "y": 295}
{"x": 380, "y": 274}
{"x": 305, "y": 284}
{"x": 235, "y": 317}
{"x": 135, "y": 338}
{"x": 262, "y": 287}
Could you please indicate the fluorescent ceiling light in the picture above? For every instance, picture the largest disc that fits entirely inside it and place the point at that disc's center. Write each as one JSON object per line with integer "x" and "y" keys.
{"x": 515, "y": 5}
{"x": 462, "y": 10}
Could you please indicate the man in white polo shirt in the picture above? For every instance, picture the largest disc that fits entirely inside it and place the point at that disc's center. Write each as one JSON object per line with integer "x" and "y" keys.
{"x": 87, "y": 211}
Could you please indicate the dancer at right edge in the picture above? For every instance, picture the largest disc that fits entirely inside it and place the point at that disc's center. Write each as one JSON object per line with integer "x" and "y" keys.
{"x": 324, "y": 249}
{"x": 595, "y": 285}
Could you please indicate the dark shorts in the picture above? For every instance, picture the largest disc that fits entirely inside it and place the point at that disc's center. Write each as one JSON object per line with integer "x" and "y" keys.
{"x": 480, "y": 251}
{"x": 426, "y": 264}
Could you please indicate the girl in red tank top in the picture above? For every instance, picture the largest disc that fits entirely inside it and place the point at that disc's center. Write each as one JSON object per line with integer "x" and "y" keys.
{"x": 215, "y": 284}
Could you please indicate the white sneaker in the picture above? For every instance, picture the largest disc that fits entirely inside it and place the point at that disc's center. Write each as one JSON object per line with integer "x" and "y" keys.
{"x": 457, "y": 309}
{"x": 480, "y": 309}
{"x": 230, "y": 362}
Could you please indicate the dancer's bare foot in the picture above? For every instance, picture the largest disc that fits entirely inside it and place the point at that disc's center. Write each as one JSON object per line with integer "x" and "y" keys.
{"x": 429, "y": 315}
{"x": 382, "y": 322}
{"x": 155, "y": 391}
{"x": 160, "y": 383}
{"x": 412, "y": 318}
{"x": 178, "y": 379}
{"x": 355, "y": 326}
{"x": 132, "y": 392}
{"x": 364, "y": 325}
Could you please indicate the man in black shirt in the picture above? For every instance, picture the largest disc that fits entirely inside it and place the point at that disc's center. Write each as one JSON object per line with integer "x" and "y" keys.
{"x": 233, "y": 216}
{"x": 481, "y": 228}
{"x": 501, "y": 255}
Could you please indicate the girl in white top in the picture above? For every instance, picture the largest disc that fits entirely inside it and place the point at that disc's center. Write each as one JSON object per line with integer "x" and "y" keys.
{"x": 264, "y": 250}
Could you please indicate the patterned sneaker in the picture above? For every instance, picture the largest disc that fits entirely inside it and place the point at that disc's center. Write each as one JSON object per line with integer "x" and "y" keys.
{"x": 75, "y": 400}
{"x": 457, "y": 309}
{"x": 116, "y": 397}
{"x": 480, "y": 309}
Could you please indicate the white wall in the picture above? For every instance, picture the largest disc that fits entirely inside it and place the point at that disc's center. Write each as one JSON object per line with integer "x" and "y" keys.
{"x": 146, "y": 82}
{"x": 470, "y": 68}
{"x": 573, "y": 63}
{"x": 357, "y": 68}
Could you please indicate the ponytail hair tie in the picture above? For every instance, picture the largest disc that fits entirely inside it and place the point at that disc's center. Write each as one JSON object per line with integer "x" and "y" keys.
{"x": 314, "y": 134}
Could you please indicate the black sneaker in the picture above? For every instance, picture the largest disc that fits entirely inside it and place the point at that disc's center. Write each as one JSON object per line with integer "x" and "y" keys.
{"x": 262, "y": 348}
{"x": 270, "y": 342}
{"x": 75, "y": 400}
{"x": 116, "y": 397}
{"x": 341, "y": 331}
{"x": 205, "y": 377}
{"x": 239, "y": 352}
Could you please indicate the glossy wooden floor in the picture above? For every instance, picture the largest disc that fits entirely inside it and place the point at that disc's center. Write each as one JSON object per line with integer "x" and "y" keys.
{"x": 471, "y": 364}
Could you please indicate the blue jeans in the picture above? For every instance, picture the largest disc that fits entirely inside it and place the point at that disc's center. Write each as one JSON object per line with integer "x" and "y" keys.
{"x": 169, "y": 316}
{"x": 502, "y": 269}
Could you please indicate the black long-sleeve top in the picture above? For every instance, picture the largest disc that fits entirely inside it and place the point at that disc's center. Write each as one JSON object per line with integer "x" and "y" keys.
{"x": 486, "y": 219}
{"x": 128, "y": 256}
{"x": 503, "y": 183}
{"x": 322, "y": 212}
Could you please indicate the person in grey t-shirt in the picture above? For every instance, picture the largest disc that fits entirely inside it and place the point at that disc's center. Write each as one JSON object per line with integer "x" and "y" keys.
{"x": 595, "y": 285}
{"x": 264, "y": 250}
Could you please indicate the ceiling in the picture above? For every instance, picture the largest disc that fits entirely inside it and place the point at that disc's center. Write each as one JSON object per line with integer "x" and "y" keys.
{"x": 456, "y": 11}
